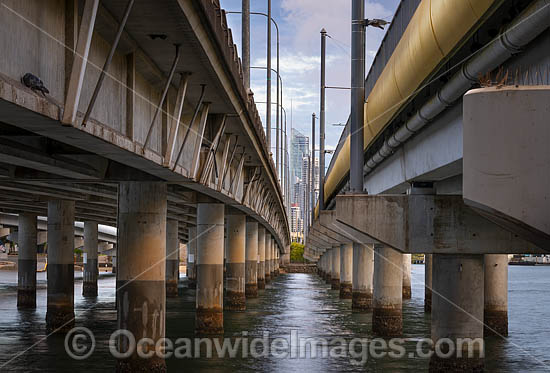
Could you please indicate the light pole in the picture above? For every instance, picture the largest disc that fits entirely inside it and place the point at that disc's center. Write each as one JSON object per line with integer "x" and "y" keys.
{"x": 357, "y": 95}
{"x": 284, "y": 172}
{"x": 246, "y": 43}
{"x": 268, "y": 76}
{"x": 279, "y": 106}
{"x": 268, "y": 109}
{"x": 322, "y": 123}
{"x": 358, "y": 25}
{"x": 312, "y": 168}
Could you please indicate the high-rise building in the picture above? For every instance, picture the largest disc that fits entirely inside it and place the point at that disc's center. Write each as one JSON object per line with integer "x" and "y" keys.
{"x": 299, "y": 147}
{"x": 296, "y": 225}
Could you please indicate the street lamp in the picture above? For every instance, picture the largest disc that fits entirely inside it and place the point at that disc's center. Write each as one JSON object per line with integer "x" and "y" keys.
{"x": 268, "y": 69}
{"x": 358, "y": 27}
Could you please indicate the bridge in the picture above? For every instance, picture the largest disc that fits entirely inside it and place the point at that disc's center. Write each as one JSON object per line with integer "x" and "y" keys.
{"x": 444, "y": 154}
{"x": 146, "y": 127}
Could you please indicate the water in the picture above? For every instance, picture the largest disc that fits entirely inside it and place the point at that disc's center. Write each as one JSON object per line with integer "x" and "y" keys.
{"x": 298, "y": 302}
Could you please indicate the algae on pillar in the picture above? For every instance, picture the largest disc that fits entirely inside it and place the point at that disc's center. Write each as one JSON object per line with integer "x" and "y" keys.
{"x": 251, "y": 264}
{"x": 261, "y": 257}
{"x": 91, "y": 268}
{"x": 141, "y": 281}
{"x": 457, "y": 311}
{"x": 407, "y": 276}
{"x": 210, "y": 252}
{"x": 346, "y": 270}
{"x": 172, "y": 258}
{"x": 362, "y": 282}
{"x": 26, "y": 261}
{"x": 387, "y": 316}
{"x": 236, "y": 251}
{"x": 495, "y": 315}
{"x": 60, "y": 308}
{"x": 335, "y": 273}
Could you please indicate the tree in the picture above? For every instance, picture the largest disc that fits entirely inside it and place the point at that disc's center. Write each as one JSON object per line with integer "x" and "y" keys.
{"x": 296, "y": 253}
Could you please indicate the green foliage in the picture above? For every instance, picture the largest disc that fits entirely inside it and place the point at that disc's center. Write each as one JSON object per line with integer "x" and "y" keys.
{"x": 78, "y": 251}
{"x": 296, "y": 253}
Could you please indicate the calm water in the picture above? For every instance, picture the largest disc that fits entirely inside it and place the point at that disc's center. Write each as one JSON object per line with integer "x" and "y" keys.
{"x": 298, "y": 302}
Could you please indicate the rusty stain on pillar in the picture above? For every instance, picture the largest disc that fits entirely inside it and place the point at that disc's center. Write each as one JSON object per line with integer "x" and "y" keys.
{"x": 407, "y": 276}
{"x": 495, "y": 314}
{"x": 335, "y": 273}
{"x": 192, "y": 258}
{"x": 141, "y": 281}
{"x": 236, "y": 253}
{"x": 387, "y": 315}
{"x": 26, "y": 261}
{"x": 362, "y": 282}
{"x": 210, "y": 253}
{"x": 91, "y": 268}
{"x": 261, "y": 257}
{"x": 172, "y": 258}
{"x": 60, "y": 305}
{"x": 251, "y": 263}
{"x": 346, "y": 270}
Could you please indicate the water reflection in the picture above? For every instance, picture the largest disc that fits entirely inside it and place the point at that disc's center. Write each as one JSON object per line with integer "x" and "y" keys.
{"x": 296, "y": 302}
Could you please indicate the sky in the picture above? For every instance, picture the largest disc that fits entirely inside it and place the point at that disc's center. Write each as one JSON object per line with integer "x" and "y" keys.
{"x": 300, "y": 23}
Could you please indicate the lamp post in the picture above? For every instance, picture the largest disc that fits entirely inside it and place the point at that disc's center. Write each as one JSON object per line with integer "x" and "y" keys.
{"x": 279, "y": 90}
{"x": 268, "y": 77}
{"x": 358, "y": 26}
{"x": 312, "y": 168}
{"x": 322, "y": 123}
{"x": 278, "y": 148}
{"x": 284, "y": 149}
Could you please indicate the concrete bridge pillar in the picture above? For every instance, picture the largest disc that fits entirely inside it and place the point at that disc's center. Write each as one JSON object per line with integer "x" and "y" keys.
{"x": 273, "y": 257}
{"x": 141, "y": 281}
{"x": 457, "y": 311}
{"x": 328, "y": 278}
{"x": 26, "y": 261}
{"x": 172, "y": 258}
{"x": 236, "y": 251}
{"x": 60, "y": 309}
{"x": 210, "y": 252}
{"x": 267, "y": 257}
{"x": 346, "y": 270}
{"x": 387, "y": 316}
{"x": 495, "y": 315}
{"x": 271, "y": 260}
{"x": 251, "y": 264}
{"x": 192, "y": 258}
{"x": 335, "y": 272}
{"x": 407, "y": 276}
{"x": 91, "y": 268}
{"x": 428, "y": 264}
{"x": 261, "y": 257}
{"x": 362, "y": 282}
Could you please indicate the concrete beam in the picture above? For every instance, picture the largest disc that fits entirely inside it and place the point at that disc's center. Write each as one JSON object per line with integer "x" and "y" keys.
{"x": 328, "y": 220}
{"x": 427, "y": 224}
{"x": 508, "y": 184}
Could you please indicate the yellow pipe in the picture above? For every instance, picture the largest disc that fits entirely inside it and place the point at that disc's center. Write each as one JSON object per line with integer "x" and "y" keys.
{"x": 433, "y": 33}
